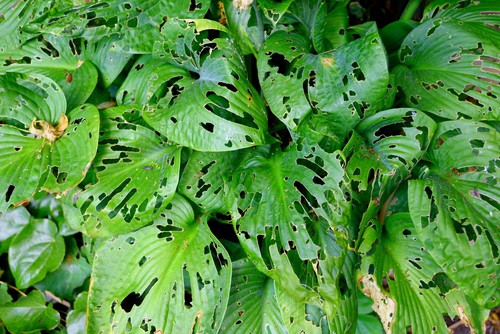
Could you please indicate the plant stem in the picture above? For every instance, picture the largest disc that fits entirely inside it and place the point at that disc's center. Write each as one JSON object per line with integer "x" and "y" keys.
{"x": 14, "y": 288}
{"x": 410, "y": 10}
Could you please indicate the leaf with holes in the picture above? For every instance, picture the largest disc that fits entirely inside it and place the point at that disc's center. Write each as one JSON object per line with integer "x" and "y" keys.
{"x": 455, "y": 207}
{"x": 449, "y": 64}
{"x": 136, "y": 174}
{"x": 45, "y": 162}
{"x": 35, "y": 251}
{"x": 206, "y": 101}
{"x": 384, "y": 149}
{"x": 291, "y": 216}
{"x": 207, "y": 176}
{"x": 252, "y": 306}
{"x": 409, "y": 289}
{"x": 173, "y": 276}
{"x": 328, "y": 92}
{"x": 59, "y": 59}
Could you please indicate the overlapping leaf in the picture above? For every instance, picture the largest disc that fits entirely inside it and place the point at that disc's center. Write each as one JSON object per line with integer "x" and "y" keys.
{"x": 206, "y": 101}
{"x": 291, "y": 216}
{"x": 172, "y": 276}
{"x": 455, "y": 207}
{"x": 35, "y": 315}
{"x": 391, "y": 143}
{"x": 29, "y": 163}
{"x": 136, "y": 174}
{"x": 207, "y": 176}
{"x": 449, "y": 64}
{"x": 59, "y": 59}
{"x": 331, "y": 91}
{"x": 410, "y": 290}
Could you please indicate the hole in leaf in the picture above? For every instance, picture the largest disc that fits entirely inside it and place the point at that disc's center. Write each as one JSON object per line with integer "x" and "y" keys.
{"x": 135, "y": 299}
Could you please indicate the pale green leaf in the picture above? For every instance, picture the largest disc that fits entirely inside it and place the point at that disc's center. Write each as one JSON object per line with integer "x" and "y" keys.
{"x": 172, "y": 276}
{"x": 77, "y": 317}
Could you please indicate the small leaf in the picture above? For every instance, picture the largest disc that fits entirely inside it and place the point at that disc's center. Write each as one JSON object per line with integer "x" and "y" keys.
{"x": 172, "y": 276}
{"x": 35, "y": 251}
{"x": 77, "y": 317}
{"x": 32, "y": 310}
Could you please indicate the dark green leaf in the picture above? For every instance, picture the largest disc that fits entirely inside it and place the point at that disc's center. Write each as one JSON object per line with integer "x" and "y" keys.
{"x": 77, "y": 318}
{"x": 29, "y": 314}
{"x": 70, "y": 275}
{"x": 35, "y": 251}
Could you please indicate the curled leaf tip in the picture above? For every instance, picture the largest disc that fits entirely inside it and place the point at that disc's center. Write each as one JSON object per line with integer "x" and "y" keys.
{"x": 43, "y": 129}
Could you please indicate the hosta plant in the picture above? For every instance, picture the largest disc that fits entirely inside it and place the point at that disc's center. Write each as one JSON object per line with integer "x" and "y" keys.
{"x": 248, "y": 167}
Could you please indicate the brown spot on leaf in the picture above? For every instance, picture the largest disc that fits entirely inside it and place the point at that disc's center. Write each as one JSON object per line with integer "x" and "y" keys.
{"x": 383, "y": 305}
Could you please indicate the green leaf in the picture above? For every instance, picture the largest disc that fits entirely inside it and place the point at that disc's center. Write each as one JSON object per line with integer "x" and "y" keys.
{"x": 208, "y": 103}
{"x": 392, "y": 142}
{"x": 35, "y": 251}
{"x": 454, "y": 207}
{"x": 468, "y": 11}
{"x": 70, "y": 275}
{"x": 172, "y": 276}
{"x": 11, "y": 223}
{"x": 252, "y": 306}
{"x": 109, "y": 62}
{"x": 136, "y": 176}
{"x": 449, "y": 68}
{"x": 292, "y": 218}
{"x": 32, "y": 310}
{"x": 77, "y": 317}
{"x": 14, "y": 15}
{"x": 38, "y": 162}
{"x": 206, "y": 178}
{"x": 409, "y": 289}
{"x": 58, "y": 59}
{"x": 5, "y": 298}
{"x": 328, "y": 92}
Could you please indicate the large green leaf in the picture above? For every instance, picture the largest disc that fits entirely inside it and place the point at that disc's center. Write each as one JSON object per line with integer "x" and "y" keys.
{"x": 172, "y": 276}
{"x": 291, "y": 215}
{"x": 410, "y": 290}
{"x": 331, "y": 91}
{"x": 29, "y": 314}
{"x": 455, "y": 207}
{"x": 449, "y": 64}
{"x": 11, "y": 223}
{"x": 38, "y": 162}
{"x": 206, "y": 101}
{"x": 136, "y": 176}
{"x": 252, "y": 306}
{"x": 35, "y": 251}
